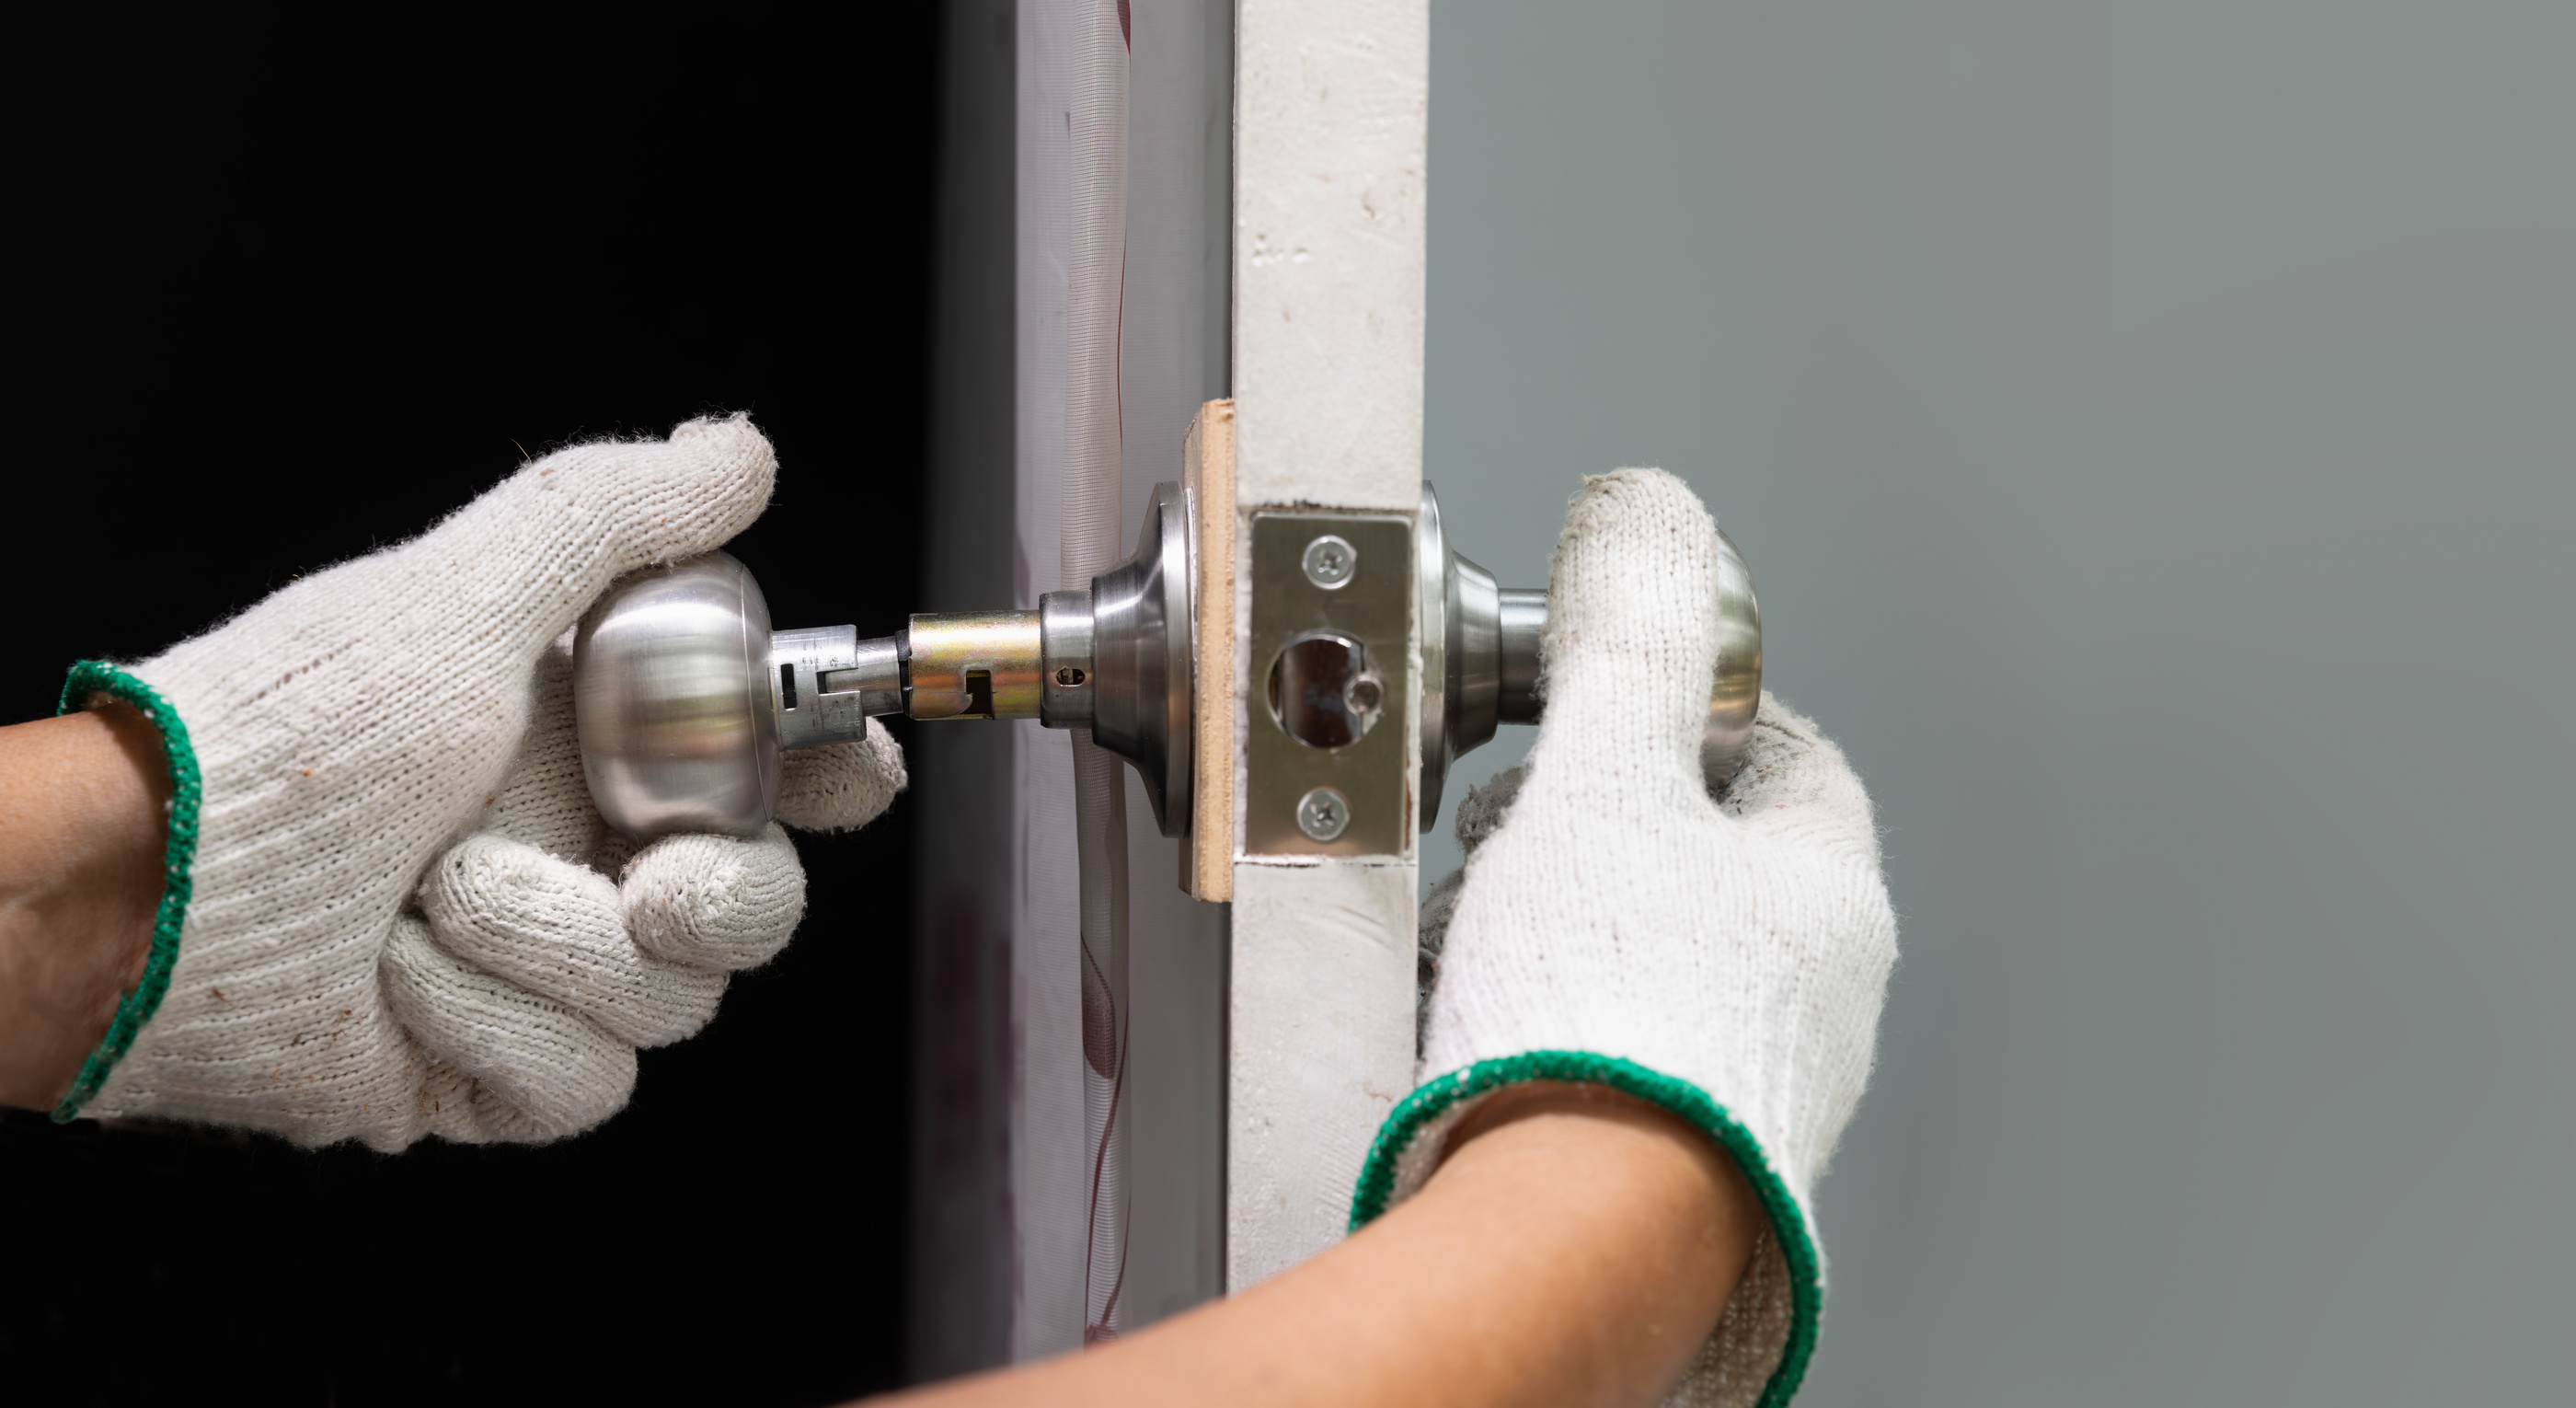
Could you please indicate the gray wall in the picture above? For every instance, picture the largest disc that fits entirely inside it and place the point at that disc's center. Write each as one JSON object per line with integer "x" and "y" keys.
{"x": 2153, "y": 430}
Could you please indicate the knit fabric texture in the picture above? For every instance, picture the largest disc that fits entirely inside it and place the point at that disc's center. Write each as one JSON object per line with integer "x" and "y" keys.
{"x": 407, "y": 917}
{"x": 1614, "y": 923}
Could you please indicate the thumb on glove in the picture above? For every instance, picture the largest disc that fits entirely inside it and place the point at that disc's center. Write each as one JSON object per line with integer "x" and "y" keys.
{"x": 1630, "y": 647}
{"x": 572, "y": 523}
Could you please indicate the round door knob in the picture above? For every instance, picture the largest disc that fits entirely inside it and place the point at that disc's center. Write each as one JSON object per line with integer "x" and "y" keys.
{"x": 674, "y": 701}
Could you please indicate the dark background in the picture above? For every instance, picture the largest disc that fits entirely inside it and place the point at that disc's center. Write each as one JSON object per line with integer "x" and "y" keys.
{"x": 286, "y": 291}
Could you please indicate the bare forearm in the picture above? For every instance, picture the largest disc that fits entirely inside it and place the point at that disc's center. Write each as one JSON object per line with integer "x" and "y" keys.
{"x": 80, "y": 874}
{"x": 1575, "y": 1248}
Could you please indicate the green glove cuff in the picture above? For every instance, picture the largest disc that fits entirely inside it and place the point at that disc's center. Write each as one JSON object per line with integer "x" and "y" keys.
{"x": 91, "y": 683}
{"x": 1420, "y": 1112}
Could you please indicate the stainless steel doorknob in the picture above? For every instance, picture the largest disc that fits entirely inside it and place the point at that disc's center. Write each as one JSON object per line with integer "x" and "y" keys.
{"x": 685, "y": 696}
{"x": 671, "y": 693}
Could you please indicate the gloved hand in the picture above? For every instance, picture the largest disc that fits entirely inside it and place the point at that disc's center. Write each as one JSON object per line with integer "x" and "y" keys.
{"x": 392, "y": 909}
{"x": 1614, "y": 925}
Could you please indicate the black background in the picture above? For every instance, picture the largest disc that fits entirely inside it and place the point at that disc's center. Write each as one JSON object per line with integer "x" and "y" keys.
{"x": 286, "y": 290}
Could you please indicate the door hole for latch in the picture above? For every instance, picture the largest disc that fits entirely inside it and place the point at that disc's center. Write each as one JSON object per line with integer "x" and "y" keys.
{"x": 1323, "y": 692}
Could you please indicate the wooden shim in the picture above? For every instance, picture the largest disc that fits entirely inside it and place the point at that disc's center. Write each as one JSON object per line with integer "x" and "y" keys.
{"x": 1207, "y": 475}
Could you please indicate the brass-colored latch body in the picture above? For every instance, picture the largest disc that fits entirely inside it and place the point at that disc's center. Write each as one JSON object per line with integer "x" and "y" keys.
{"x": 973, "y": 665}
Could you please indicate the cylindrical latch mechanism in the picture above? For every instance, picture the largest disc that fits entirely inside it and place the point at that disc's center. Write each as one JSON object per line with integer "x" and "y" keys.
{"x": 684, "y": 695}
{"x": 972, "y": 665}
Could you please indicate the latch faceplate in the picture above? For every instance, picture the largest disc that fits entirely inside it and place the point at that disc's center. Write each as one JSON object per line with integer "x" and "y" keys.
{"x": 1331, "y": 702}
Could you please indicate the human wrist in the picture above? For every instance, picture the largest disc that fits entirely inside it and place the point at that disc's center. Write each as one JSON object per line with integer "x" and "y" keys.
{"x": 1628, "y": 1143}
{"x": 83, "y": 808}
{"x": 1769, "y": 1329}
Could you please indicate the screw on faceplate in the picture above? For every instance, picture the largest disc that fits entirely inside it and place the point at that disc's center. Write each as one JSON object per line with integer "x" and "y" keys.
{"x": 1069, "y": 677}
{"x": 1330, "y": 560}
{"x": 1323, "y": 814}
{"x": 1364, "y": 694}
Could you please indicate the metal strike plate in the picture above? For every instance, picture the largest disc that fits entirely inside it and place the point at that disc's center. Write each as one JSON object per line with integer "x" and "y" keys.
{"x": 1322, "y": 584}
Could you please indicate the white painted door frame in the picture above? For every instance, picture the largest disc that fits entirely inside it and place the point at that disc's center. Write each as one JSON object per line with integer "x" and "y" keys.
{"x": 1331, "y": 142}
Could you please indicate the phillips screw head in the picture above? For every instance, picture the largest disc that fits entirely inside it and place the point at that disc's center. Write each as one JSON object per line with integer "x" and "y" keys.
{"x": 1330, "y": 561}
{"x": 1324, "y": 814}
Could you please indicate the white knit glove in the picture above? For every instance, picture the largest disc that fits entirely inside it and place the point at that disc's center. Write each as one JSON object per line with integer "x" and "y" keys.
{"x": 391, "y": 909}
{"x": 1614, "y": 925}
